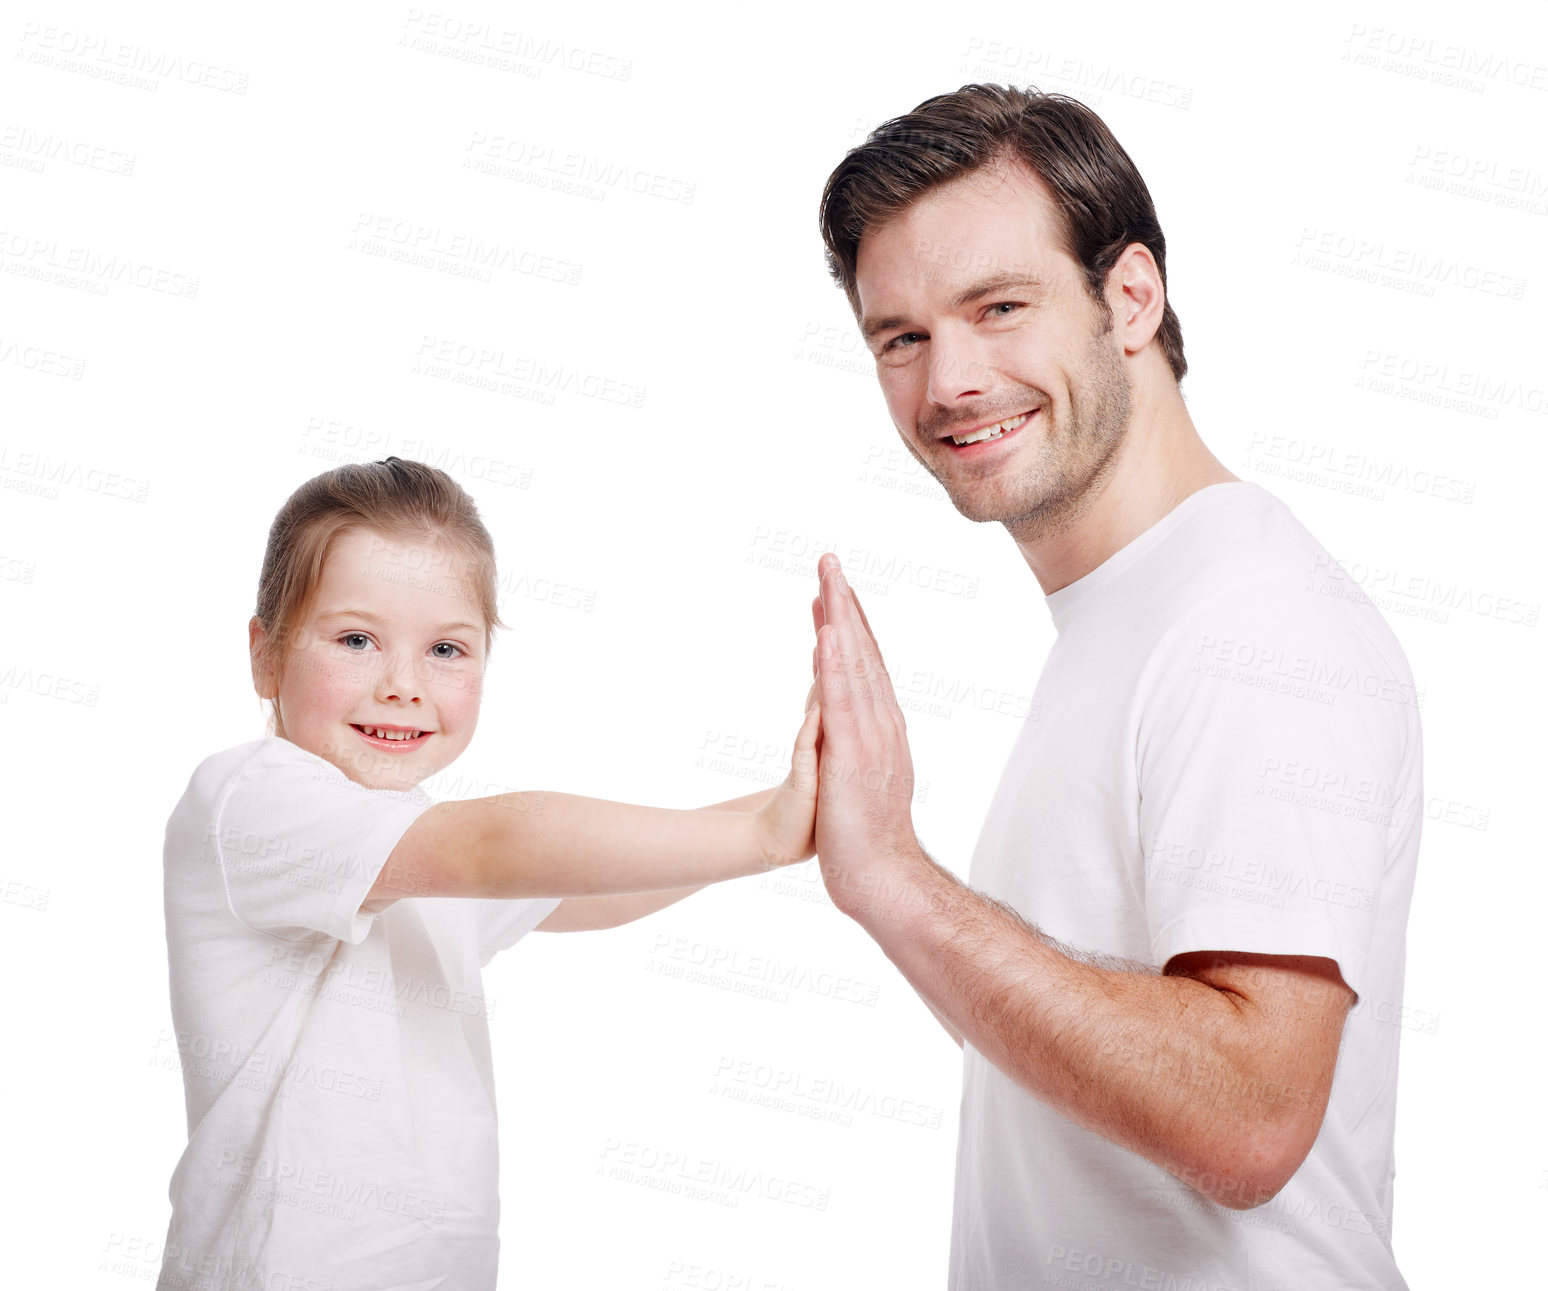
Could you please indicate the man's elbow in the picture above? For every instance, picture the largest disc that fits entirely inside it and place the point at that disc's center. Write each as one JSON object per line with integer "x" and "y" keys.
{"x": 1251, "y": 1171}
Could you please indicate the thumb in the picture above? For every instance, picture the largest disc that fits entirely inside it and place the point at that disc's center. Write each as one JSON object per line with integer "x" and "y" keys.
{"x": 803, "y": 758}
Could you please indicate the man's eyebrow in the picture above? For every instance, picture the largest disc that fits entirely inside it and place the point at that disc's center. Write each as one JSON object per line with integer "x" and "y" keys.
{"x": 870, "y": 329}
{"x": 976, "y": 291}
{"x": 991, "y": 286}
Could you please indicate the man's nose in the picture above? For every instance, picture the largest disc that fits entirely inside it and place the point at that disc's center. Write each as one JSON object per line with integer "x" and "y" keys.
{"x": 958, "y": 368}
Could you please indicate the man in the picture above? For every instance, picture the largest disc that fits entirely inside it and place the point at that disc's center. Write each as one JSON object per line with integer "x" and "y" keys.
{"x": 1175, "y": 972}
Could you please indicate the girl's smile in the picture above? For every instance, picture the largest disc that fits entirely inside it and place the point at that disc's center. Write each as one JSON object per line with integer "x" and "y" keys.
{"x": 385, "y": 669}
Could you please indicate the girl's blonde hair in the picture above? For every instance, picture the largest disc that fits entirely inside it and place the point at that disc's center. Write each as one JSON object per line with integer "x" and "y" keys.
{"x": 406, "y": 501}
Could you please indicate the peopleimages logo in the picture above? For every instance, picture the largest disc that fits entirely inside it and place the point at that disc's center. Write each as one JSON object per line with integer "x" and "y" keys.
{"x": 1418, "y": 595}
{"x": 1403, "y": 268}
{"x": 484, "y": 45}
{"x": 34, "y": 149}
{"x": 1329, "y": 676}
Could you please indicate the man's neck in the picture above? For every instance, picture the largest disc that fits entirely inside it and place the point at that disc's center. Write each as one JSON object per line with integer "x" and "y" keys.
{"x": 1162, "y": 461}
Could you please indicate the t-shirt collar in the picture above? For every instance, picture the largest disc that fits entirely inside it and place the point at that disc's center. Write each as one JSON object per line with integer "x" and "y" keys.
{"x": 1063, "y": 603}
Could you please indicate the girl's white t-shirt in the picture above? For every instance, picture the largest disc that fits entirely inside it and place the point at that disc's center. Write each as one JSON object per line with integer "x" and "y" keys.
{"x": 336, "y": 1064}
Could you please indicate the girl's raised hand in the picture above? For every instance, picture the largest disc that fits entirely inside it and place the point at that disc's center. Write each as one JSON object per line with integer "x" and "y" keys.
{"x": 785, "y": 823}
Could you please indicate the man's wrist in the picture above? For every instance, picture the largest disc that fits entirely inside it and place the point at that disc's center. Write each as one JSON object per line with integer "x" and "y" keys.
{"x": 892, "y": 894}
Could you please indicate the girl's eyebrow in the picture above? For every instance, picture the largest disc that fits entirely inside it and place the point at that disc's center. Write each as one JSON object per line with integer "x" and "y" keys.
{"x": 350, "y": 614}
{"x": 372, "y": 618}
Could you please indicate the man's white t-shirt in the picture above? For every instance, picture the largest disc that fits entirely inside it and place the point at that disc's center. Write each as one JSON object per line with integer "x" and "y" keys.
{"x": 1223, "y": 754}
{"x": 336, "y": 1064}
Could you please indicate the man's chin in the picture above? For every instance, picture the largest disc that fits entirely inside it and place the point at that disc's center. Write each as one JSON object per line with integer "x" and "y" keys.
{"x": 982, "y": 508}
{"x": 978, "y": 513}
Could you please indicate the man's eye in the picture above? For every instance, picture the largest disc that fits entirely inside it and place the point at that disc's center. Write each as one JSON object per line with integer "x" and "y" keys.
{"x": 1004, "y": 308}
{"x": 350, "y": 638}
{"x": 904, "y": 340}
{"x": 447, "y": 645}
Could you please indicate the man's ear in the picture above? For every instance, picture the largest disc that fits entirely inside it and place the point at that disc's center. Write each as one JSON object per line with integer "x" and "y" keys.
{"x": 260, "y": 652}
{"x": 1137, "y": 297}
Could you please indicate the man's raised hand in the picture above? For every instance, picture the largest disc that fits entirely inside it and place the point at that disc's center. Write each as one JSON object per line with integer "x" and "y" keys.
{"x": 865, "y": 829}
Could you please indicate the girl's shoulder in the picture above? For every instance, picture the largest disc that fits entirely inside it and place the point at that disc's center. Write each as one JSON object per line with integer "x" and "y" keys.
{"x": 273, "y": 782}
{"x": 252, "y": 756}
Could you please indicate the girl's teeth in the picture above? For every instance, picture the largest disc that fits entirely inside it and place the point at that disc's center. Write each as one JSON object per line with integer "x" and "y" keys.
{"x": 389, "y": 735}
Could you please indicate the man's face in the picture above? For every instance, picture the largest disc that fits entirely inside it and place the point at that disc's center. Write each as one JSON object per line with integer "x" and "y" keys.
{"x": 392, "y": 646}
{"x": 981, "y": 325}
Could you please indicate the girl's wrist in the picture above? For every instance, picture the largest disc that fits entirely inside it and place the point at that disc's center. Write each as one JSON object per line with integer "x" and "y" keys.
{"x": 762, "y": 850}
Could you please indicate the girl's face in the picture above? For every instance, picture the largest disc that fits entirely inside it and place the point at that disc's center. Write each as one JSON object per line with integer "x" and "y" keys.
{"x": 392, "y": 647}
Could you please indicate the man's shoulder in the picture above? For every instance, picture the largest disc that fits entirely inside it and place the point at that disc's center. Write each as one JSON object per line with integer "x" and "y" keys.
{"x": 1240, "y": 532}
{"x": 1250, "y": 574}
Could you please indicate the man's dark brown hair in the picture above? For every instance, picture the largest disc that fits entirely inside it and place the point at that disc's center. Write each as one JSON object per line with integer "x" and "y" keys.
{"x": 1102, "y": 201}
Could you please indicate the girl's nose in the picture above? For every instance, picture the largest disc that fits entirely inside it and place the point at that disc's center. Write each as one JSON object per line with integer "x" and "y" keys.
{"x": 398, "y": 683}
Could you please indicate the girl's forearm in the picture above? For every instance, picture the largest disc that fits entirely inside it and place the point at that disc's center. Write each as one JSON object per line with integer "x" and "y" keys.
{"x": 586, "y": 914}
{"x": 558, "y": 844}
{"x": 749, "y": 802}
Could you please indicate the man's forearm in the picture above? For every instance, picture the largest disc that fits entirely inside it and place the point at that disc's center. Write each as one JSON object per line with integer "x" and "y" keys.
{"x": 1218, "y": 1071}
{"x": 1168, "y": 1067}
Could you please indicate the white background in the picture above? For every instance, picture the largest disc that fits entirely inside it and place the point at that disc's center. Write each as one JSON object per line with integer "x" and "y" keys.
{"x": 237, "y": 206}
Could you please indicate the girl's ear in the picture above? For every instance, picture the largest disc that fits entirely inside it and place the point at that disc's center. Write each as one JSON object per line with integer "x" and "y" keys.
{"x": 263, "y": 663}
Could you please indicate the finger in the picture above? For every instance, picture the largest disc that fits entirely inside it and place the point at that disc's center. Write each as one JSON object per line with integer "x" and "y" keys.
{"x": 866, "y": 624}
{"x": 843, "y": 627}
{"x": 803, "y": 757}
{"x": 850, "y": 721}
{"x": 806, "y": 737}
{"x": 864, "y": 747}
{"x": 858, "y": 651}
{"x": 841, "y": 609}
{"x": 822, "y": 607}
{"x": 866, "y": 637}
{"x": 869, "y": 639}
{"x": 834, "y": 691}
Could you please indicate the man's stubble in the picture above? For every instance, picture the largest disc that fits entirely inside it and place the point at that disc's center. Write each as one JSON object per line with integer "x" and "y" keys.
{"x": 1078, "y": 454}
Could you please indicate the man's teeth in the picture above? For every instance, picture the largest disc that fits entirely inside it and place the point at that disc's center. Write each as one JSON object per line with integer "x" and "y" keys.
{"x": 990, "y": 432}
{"x": 390, "y": 735}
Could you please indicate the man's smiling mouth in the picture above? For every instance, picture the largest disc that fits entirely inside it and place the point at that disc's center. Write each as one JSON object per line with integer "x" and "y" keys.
{"x": 992, "y": 431}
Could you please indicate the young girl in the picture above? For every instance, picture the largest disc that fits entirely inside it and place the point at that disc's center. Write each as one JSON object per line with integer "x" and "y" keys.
{"x": 326, "y": 923}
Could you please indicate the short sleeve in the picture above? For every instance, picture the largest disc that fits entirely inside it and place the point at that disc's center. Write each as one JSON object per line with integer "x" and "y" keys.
{"x": 502, "y": 923}
{"x": 300, "y": 844}
{"x": 1276, "y": 757}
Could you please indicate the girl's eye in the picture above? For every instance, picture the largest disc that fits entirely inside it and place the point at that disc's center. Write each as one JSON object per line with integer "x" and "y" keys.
{"x": 447, "y": 645}
{"x": 349, "y": 639}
